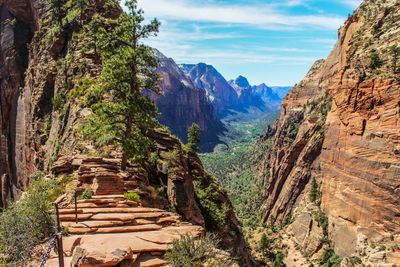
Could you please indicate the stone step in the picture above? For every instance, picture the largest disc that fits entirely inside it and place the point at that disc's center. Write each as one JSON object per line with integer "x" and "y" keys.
{"x": 127, "y": 216}
{"x": 98, "y": 201}
{"x": 93, "y": 205}
{"x": 131, "y": 228}
{"x": 108, "y": 196}
{"x": 95, "y": 224}
{"x": 149, "y": 261}
{"x": 108, "y": 210}
{"x": 71, "y": 217}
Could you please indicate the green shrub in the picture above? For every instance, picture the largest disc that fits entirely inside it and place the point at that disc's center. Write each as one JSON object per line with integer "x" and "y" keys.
{"x": 132, "y": 196}
{"x": 375, "y": 61}
{"x": 264, "y": 243}
{"x": 322, "y": 220}
{"x": 278, "y": 261}
{"x": 191, "y": 252}
{"x": 85, "y": 195}
{"x": 314, "y": 191}
{"x": 208, "y": 197}
{"x": 330, "y": 259}
{"x": 25, "y": 224}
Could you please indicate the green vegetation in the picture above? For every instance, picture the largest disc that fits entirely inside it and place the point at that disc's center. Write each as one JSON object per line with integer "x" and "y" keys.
{"x": 314, "y": 193}
{"x": 234, "y": 167}
{"x": 291, "y": 125}
{"x": 278, "y": 261}
{"x": 122, "y": 115}
{"x": 322, "y": 220}
{"x": 395, "y": 52}
{"x": 193, "y": 138}
{"x": 27, "y": 223}
{"x": 375, "y": 60}
{"x": 264, "y": 244}
{"x": 214, "y": 210}
{"x": 330, "y": 259}
{"x": 132, "y": 196}
{"x": 85, "y": 195}
{"x": 191, "y": 252}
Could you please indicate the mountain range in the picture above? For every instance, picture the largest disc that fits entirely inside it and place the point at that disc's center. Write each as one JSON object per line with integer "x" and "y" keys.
{"x": 200, "y": 94}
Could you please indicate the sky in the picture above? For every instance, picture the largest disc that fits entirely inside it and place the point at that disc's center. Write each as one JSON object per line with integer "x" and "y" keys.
{"x": 267, "y": 41}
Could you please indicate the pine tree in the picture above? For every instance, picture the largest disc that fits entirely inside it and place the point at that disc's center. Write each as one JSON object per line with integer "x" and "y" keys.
{"x": 314, "y": 191}
{"x": 57, "y": 10}
{"x": 193, "y": 137}
{"x": 81, "y": 5}
{"x": 264, "y": 243}
{"x": 122, "y": 114}
{"x": 395, "y": 51}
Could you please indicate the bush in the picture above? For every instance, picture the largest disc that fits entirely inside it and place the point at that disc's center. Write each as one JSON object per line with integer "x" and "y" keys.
{"x": 25, "y": 224}
{"x": 86, "y": 195}
{"x": 375, "y": 61}
{"x": 278, "y": 261}
{"x": 191, "y": 252}
{"x": 330, "y": 259}
{"x": 132, "y": 196}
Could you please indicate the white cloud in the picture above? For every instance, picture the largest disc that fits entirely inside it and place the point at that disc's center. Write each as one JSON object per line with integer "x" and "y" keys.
{"x": 261, "y": 16}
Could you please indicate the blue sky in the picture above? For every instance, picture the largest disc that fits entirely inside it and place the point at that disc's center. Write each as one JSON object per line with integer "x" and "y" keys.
{"x": 274, "y": 42}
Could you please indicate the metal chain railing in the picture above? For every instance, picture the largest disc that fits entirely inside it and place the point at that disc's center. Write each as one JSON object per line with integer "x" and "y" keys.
{"x": 57, "y": 235}
{"x": 70, "y": 201}
{"x": 47, "y": 254}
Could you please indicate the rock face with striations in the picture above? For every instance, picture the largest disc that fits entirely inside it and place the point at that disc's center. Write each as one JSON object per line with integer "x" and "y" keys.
{"x": 352, "y": 150}
{"x": 219, "y": 92}
{"x": 184, "y": 103}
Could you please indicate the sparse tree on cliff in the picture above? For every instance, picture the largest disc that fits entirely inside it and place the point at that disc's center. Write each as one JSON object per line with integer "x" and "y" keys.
{"x": 122, "y": 115}
{"x": 395, "y": 51}
{"x": 193, "y": 137}
{"x": 314, "y": 191}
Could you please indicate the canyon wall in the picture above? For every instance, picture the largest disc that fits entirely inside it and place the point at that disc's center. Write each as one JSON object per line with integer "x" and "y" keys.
{"x": 340, "y": 126}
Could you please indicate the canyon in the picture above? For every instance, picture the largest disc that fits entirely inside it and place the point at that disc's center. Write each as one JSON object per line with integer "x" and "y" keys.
{"x": 323, "y": 179}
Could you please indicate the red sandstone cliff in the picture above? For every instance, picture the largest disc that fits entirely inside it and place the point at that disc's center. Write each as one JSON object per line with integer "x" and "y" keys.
{"x": 354, "y": 150}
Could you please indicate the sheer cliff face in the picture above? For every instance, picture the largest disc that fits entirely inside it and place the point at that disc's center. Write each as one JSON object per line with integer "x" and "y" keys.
{"x": 183, "y": 103}
{"x": 17, "y": 25}
{"x": 354, "y": 150}
{"x": 219, "y": 92}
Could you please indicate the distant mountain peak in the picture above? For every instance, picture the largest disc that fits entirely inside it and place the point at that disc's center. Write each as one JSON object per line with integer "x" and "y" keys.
{"x": 242, "y": 81}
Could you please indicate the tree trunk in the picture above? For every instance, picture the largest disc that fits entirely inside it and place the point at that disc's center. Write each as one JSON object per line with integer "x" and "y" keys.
{"x": 128, "y": 134}
{"x": 124, "y": 161}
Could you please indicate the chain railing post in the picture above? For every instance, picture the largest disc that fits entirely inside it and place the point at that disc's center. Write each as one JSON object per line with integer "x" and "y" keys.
{"x": 57, "y": 230}
{"x": 76, "y": 209}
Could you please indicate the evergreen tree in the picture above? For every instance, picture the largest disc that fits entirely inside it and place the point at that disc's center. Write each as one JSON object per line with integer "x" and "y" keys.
{"x": 314, "y": 191}
{"x": 395, "y": 51}
{"x": 193, "y": 137}
{"x": 81, "y": 5}
{"x": 57, "y": 10}
{"x": 264, "y": 243}
{"x": 122, "y": 115}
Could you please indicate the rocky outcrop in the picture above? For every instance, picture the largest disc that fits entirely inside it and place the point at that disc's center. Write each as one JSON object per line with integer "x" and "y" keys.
{"x": 354, "y": 153}
{"x": 247, "y": 97}
{"x": 172, "y": 179}
{"x": 112, "y": 231}
{"x": 184, "y": 103}
{"x": 219, "y": 92}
